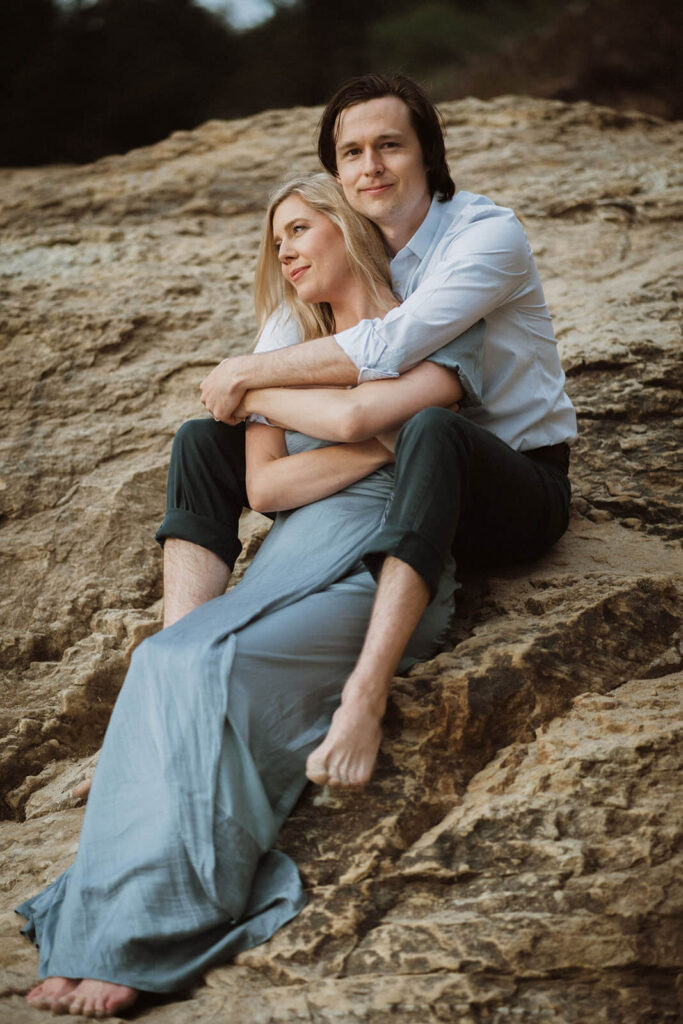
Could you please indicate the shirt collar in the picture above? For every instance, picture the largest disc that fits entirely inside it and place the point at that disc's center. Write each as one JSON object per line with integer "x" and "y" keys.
{"x": 424, "y": 236}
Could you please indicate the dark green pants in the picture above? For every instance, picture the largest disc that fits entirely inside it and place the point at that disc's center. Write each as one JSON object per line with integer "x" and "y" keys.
{"x": 458, "y": 487}
{"x": 206, "y": 490}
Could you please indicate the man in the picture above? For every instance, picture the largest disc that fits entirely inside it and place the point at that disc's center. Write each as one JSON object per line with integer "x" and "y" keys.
{"x": 492, "y": 481}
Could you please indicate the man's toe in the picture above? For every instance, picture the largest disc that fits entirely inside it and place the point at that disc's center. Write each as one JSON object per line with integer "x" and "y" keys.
{"x": 317, "y": 773}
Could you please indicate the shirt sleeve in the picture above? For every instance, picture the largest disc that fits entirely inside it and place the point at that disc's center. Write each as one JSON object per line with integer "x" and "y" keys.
{"x": 481, "y": 269}
{"x": 465, "y": 356}
{"x": 280, "y": 331}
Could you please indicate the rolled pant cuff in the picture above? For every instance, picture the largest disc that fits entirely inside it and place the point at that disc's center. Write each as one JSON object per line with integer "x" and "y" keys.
{"x": 207, "y": 533}
{"x": 409, "y": 547}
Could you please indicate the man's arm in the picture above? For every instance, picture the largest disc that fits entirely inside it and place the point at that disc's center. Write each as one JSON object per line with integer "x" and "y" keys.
{"x": 320, "y": 361}
{"x": 356, "y": 414}
{"x": 479, "y": 271}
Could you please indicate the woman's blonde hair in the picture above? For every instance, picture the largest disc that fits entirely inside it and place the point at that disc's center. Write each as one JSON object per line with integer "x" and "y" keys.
{"x": 367, "y": 257}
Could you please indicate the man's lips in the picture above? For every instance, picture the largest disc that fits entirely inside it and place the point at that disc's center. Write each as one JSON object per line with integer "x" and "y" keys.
{"x": 376, "y": 190}
{"x": 295, "y": 274}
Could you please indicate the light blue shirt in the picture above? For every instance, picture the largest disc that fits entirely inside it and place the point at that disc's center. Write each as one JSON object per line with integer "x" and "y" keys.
{"x": 468, "y": 260}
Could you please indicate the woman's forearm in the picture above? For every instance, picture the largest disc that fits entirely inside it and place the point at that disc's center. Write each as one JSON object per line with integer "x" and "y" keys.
{"x": 295, "y": 480}
{"x": 343, "y": 414}
{"x": 319, "y": 412}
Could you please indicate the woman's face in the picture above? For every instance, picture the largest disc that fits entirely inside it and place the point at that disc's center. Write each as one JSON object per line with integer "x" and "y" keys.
{"x": 311, "y": 251}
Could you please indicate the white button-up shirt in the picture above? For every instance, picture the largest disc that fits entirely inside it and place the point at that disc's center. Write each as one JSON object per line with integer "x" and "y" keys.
{"x": 468, "y": 260}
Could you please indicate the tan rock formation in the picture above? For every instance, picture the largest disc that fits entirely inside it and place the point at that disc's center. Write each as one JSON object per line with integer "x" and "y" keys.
{"x": 517, "y": 856}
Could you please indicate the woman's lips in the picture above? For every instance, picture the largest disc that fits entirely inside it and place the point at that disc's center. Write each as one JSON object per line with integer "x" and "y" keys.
{"x": 295, "y": 274}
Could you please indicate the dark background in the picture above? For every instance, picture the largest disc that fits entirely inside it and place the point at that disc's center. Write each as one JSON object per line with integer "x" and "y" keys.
{"x": 84, "y": 79}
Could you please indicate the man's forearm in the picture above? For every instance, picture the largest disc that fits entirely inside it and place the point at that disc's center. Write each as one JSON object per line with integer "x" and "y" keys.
{"x": 320, "y": 361}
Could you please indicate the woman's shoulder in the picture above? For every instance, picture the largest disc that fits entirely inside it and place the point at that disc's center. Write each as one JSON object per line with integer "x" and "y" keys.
{"x": 280, "y": 331}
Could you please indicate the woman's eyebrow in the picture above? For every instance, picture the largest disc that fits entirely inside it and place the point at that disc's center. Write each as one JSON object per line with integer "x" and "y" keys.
{"x": 293, "y": 221}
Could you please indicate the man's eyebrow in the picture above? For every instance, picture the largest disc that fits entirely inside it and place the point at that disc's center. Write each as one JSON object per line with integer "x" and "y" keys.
{"x": 390, "y": 134}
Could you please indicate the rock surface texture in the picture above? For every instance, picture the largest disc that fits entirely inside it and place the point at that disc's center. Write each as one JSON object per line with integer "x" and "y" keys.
{"x": 517, "y": 856}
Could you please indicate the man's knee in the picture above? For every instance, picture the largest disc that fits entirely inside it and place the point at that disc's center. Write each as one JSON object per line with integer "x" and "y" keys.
{"x": 436, "y": 427}
{"x": 196, "y": 436}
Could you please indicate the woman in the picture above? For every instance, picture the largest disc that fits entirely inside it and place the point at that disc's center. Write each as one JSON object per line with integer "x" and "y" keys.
{"x": 206, "y": 749}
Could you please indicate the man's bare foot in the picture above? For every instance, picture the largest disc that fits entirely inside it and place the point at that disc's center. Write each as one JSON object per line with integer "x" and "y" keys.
{"x": 347, "y": 755}
{"x": 48, "y": 994}
{"x": 92, "y": 998}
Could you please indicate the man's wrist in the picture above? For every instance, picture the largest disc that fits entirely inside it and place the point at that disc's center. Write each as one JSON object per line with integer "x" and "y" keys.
{"x": 242, "y": 371}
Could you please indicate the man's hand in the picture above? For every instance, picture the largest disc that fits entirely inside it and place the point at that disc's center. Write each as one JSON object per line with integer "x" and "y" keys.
{"x": 223, "y": 389}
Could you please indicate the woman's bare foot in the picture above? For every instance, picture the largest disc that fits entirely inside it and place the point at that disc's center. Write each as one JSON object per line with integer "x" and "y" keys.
{"x": 347, "y": 755}
{"x": 48, "y": 994}
{"x": 82, "y": 790}
{"x": 92, "y": 998}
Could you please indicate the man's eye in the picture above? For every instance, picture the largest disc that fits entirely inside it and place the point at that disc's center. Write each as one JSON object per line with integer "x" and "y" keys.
{"x": 351, "y": 152}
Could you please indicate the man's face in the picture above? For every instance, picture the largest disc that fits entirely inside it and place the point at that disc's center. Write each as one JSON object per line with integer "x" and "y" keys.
{"x": 380, "y": 165}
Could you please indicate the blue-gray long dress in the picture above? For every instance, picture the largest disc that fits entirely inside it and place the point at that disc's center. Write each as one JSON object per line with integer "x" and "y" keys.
{"x": 205, "y": 755}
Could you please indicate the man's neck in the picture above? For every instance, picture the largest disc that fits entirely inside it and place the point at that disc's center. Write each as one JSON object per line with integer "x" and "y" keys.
{"x": 399, "y": 234}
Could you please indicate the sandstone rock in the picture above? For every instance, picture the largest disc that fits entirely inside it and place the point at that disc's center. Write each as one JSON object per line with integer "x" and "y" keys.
{"x": 517, "y": 855}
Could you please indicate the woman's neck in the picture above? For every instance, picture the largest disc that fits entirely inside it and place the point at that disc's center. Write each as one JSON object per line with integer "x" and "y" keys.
{"x": 356, "y": 304}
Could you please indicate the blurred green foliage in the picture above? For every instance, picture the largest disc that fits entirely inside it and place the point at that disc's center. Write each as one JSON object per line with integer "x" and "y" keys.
{"x": 92, "y": 77}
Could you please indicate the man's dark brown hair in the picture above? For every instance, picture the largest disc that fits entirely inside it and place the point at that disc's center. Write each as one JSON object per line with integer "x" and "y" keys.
{"x": 424, "y": 116}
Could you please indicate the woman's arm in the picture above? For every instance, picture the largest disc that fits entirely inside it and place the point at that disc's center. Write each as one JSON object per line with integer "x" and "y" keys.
{"x": 278, "y": 481}
{"x": 356, "y": 414}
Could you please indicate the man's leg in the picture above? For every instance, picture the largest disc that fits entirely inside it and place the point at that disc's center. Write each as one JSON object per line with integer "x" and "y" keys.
{"x": 348, "y": 753}
{"x": 192, "y": 576}
{"x": 204, "y": 500}
{"x": 458, "y": 486}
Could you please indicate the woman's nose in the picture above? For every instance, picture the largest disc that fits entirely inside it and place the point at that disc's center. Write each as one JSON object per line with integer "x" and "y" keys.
{"x": 286, "y": 251}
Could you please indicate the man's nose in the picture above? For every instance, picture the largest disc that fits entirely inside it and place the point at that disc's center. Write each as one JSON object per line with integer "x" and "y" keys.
{"x": 372, "y": 162}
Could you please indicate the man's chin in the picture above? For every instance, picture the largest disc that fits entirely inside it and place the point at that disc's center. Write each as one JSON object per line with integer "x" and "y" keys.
{"x": 376, "y": 207}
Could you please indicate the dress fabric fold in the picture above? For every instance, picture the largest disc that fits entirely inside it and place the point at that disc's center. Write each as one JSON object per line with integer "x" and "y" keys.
{"x": 204, "y": 757}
